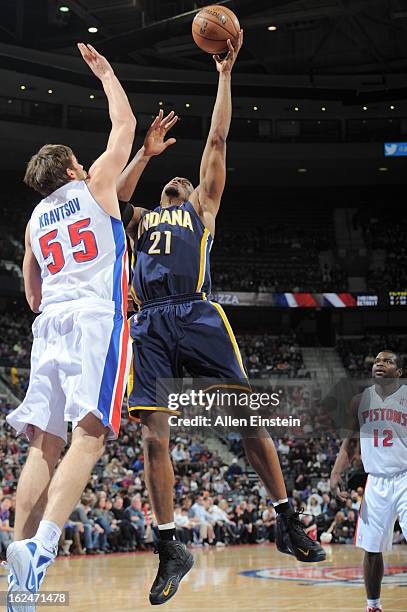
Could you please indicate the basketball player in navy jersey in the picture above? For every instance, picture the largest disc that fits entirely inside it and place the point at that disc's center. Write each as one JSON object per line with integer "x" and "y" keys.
{"x": 177, "y": 326}
{"x": 379, "y": 430}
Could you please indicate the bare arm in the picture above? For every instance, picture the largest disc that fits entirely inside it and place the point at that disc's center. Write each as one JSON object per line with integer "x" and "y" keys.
{"x": 31, "y": 274}
{"x": 106, "y": 169}
{"x": 347, "y": 453}
{"x": 154, "y": 144}
{"x": 206, "y": 198}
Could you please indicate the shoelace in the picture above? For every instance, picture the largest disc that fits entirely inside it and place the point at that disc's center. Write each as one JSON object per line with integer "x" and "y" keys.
{"x": 166, "y": 553}
{"x": 298, "y": 525}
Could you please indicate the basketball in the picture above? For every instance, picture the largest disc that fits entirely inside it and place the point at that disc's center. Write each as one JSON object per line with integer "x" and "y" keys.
{"x": 212, "y": 27}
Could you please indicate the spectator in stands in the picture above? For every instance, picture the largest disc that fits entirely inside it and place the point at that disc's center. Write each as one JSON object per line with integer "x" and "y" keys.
{"x": 135, "y": 515}
{"x": 86, "y": 526}
{"x": 6, "y": 530}
{"x": 183, "y": 525}
{"x": 202, "y": 520}
{"x": 233, "y": 470}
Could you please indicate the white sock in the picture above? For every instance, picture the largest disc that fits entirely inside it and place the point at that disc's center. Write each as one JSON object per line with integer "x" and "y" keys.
{"x": 280, "y": 501}
{"x": 373, "y": 603}
{"x": 166, "y": 526}
{"x": 48, "y": 534}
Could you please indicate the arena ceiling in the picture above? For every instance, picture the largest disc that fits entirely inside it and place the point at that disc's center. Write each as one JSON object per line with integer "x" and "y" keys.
{"x": 313, "y": 37}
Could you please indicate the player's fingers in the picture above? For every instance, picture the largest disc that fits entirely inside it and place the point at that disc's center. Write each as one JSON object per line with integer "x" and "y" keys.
{"x": 84, "y": 50}
{"x": 96, "y": 53}
{"x": 171, "y": 123}
{"x": 170, "y": 142}
{"x": 154, "y": 123}
{"x": 217, "y": 59}
{"x": 167, "y": 118}
{"x": 230, "y": 46}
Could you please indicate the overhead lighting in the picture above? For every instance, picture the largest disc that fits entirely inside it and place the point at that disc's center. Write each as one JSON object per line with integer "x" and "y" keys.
{"x": 64, "y": 9}
{"x": 255, "y": 108}
{"x": 383, "y": 169}
{"x": 392, "y": 107}
{"x": 160, "y": 103}
{"x": 92, "y": 97}
{"x": 50, "y": 91}
{"x": 23, "y": 87}
{"x": 187, "y": 105}
{"x": 272, "y": 28}
{"x": 296, "y": 109}
{"x": 365, "y": 108}
{"x": 323, "y": 108}
{"x": 92, "y": 30}
{"x": 302, "y": 170}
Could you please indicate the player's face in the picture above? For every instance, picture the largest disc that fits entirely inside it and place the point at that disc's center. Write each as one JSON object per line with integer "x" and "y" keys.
{"x": 385, "y": 366}
{"x": 78, "y": 170}
{"x": 178, "y": 187}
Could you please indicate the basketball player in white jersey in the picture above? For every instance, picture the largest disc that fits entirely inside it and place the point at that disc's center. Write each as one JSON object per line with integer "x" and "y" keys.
{"x": 380, "y": 425}
{"x": 75, "y": 275}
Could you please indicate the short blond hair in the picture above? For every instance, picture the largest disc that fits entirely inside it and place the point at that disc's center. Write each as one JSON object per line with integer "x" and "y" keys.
{"x": 46, "y": 170}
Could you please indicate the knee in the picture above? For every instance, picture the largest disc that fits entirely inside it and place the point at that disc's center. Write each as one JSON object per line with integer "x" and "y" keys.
{"x": 46, "y": 447}
{"x": 154, "y": 442}
{"x": 89, "y": 446}
{"x": 155, "y": 433}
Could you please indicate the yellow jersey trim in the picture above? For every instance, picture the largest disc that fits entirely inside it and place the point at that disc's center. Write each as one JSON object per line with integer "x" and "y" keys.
{"x": 231, "y": 336}
{"x": 202, "y": 260}
{"x": 156, "y": 408}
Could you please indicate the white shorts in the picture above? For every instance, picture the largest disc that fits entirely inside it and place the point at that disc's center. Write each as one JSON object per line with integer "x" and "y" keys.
{"x": 79, "y": 365}
{"x": 384, "y": 500}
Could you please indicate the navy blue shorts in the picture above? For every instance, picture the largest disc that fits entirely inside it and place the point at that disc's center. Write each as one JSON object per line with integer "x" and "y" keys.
{"x": 170, "y": 334}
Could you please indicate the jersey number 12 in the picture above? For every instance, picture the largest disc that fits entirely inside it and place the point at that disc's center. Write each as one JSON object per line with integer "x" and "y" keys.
{"x": 387, "y": 439}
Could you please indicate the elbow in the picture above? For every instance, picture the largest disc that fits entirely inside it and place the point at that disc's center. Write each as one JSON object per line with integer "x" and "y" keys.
{"x": 218, "y": 139}
{"x": 126, "y": 122}
{"x": 34, "y": 303}
{"x": 130, "y": 122}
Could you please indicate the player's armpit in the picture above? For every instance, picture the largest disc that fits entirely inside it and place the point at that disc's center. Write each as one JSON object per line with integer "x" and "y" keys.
{"x": 32, "y": 275}
{"x": 132, "y": 225}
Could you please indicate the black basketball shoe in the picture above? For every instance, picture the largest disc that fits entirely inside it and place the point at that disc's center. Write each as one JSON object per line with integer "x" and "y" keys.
{"x": 175, "y": 562}
{"x": 291, "y": 539}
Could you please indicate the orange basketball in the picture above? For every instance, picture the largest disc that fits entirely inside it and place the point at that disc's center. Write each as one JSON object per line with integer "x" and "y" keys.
{"x": 212, "y": 27}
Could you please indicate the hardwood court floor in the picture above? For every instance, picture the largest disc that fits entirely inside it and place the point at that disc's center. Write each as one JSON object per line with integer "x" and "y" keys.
{"x": 271, "y": 582}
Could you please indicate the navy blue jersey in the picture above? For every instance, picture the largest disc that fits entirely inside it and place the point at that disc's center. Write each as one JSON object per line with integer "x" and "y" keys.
{"x": 171, "y": 254}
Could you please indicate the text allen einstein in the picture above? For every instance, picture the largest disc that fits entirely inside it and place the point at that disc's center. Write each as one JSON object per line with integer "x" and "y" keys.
{"x": 228, "y": 421}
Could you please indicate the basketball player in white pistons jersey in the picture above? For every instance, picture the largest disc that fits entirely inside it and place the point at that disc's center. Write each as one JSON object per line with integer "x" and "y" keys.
{"x": 380, "y": 425}
{"x": 75, "y": 274}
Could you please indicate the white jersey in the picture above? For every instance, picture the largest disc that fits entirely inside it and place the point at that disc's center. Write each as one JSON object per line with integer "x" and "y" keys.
{"x": 80, "y": 248}
{"x": 383, "y": 431}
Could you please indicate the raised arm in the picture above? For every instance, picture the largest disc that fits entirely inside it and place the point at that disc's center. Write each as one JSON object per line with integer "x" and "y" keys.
{"x": 347, "y": 453}
{"x": 206, "y": 198}
{"x": 154, "y": 144}
{"x": 107, "y": 168}
{"x": 31, "y": 274}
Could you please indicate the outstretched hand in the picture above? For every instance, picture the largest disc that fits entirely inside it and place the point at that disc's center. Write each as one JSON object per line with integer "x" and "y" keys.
{"x": 226, "y": 64}
{"x": 96, "y": 62}
{"x": 154, "y": 143}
